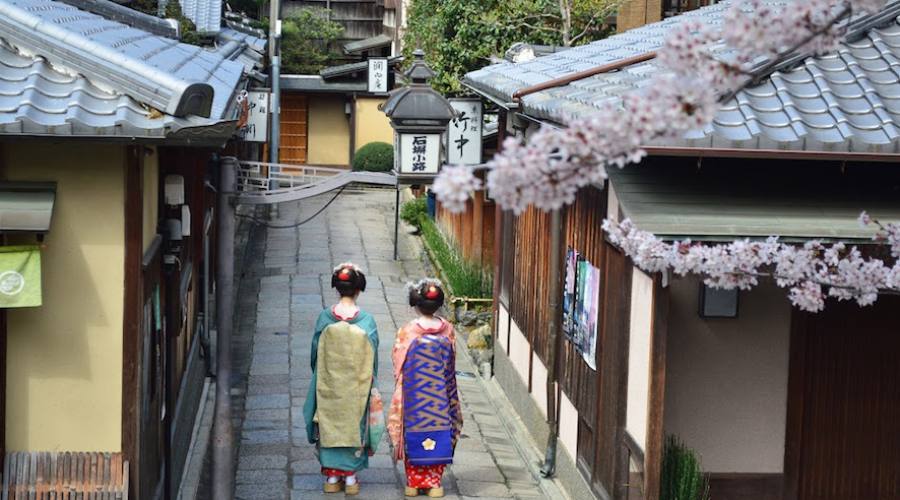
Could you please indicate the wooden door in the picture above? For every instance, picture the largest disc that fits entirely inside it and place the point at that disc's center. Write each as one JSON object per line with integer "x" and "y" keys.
{"x": 294, "y": 127}
{"x": 844, "y": 404}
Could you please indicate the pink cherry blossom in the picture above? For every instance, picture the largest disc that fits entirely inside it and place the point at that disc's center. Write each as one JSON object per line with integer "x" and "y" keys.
{"x": 702, "y": 66}
{"x": 812, "y": 272}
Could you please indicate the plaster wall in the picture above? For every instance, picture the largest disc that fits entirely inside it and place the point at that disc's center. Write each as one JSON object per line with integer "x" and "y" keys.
{"x": 639, "y": 350}
{"x": 372, "y": 125}
{"x": 64, "y": 359}
{"x": 329, "y": 131}
{"x": 726, "y": 380}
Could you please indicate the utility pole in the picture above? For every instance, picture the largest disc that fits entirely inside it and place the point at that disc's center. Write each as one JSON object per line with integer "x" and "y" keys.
{"x": 223, "y": 434}
{"x": 275, "y": 76}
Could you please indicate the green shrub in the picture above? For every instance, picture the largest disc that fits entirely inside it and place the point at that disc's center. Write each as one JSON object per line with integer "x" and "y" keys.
{"x": 413, "y": 211}
{"x": 464, "y": 278}
{"x": 374, "y": 157}
{"x": 682, "y": 477}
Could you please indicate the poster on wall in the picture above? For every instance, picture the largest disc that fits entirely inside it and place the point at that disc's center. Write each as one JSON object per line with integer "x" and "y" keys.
{"x": 581, "y": 306}
{"x": 568, "y": 319}
{"x": 590, "y": 309}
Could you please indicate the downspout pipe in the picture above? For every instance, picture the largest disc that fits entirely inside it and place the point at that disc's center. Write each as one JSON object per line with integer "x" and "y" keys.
{"x": 548, "y": 469}
{"x": 223, "y": 433}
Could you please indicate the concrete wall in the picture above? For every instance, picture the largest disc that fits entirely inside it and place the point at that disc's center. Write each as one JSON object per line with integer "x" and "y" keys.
{"x": 151, "y": 196}
{"x": 329, "y": 131}
{"x": 64, "y": 370}
{"x": 371, "y": 123}
{"x": 726, "y": 381}
{"x": 639, "y": 351}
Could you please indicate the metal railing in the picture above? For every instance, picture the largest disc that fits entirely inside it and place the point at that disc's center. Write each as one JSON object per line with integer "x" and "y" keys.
{"x": 255, "y": 176}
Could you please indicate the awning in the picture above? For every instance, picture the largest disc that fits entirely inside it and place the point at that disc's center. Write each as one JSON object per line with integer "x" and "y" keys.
{"x": 374, "y": 42}
{"x": 26, "y": 206}
{"x": 716, "y": 201}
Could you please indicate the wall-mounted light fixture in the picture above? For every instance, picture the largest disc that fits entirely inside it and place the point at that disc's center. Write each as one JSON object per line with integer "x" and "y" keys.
{"x": 718, "y": 303}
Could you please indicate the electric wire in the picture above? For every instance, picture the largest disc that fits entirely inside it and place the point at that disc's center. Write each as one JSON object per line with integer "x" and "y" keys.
{"x": 296, "y": 224}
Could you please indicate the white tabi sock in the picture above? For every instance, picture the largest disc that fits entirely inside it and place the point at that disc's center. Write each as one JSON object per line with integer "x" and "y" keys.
{"x": 350, "y": 480}
{"x": 333, "y": 480}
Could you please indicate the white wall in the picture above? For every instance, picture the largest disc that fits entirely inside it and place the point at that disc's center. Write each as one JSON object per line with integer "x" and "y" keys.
{"x": 568, "y": 425}
{"x": 726, "y": 381}
{"x": 519, "y": 351}
{"x": 539, "y": 383}
{"x": 503, "y": 328}
{"x": 640, "y": 341}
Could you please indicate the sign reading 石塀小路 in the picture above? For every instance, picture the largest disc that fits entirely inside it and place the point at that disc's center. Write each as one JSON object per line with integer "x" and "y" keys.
{"x": 419, "y": 153}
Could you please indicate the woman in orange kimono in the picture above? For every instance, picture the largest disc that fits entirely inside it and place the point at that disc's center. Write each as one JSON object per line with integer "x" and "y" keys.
{"x": 425, "y": 418}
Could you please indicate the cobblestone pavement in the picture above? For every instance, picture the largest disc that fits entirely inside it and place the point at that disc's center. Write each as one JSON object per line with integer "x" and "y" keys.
{"x": 284, "y": 284}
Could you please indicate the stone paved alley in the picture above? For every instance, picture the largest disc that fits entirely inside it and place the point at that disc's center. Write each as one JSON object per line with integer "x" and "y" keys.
{"x": 283, "y": 285}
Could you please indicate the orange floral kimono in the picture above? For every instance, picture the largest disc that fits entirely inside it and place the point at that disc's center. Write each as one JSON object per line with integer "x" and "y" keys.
{"x": 427, "y": 476}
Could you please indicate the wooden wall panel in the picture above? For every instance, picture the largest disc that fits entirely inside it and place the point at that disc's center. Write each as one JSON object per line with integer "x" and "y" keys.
{"x": 294, "y": 133}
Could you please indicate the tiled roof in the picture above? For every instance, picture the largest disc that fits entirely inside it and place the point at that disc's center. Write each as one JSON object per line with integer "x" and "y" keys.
{"x": 356, "y": 67}
{"x": 238, "y": 33}
{"x": 64, "y": 71}
{"x": 243, "y": 48}
{"x": 846, "y": 101}
{"x": 370, "y": 43}
{"x": 315, "y": 83}
{"x": 38, "y": 99}
{"x": 206, "y": 14}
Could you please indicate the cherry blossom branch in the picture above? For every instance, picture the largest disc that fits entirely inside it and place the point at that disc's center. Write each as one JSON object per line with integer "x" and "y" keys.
{"x": 548, "y": 170}
{"x": 683, "y": 97}
{"x": 811, "y": 272}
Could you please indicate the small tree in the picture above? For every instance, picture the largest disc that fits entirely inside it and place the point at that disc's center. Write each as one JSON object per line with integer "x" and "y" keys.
{"x": 459, "y": 36}
{"x": 307, "y": 36}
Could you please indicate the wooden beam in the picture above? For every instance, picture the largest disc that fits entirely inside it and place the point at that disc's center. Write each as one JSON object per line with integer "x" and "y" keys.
{"x": 3, "y": 366}
{"x": 794, "y": 425}
{"x": 131, "y": 328}
{"x": 655, "y": 430}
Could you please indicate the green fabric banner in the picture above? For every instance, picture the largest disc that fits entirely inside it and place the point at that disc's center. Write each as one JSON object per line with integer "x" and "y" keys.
{"x": 20, "y": 276}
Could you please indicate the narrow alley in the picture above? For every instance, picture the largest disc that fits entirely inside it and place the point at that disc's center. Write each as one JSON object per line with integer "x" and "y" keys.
{"x": 283, "y": 287}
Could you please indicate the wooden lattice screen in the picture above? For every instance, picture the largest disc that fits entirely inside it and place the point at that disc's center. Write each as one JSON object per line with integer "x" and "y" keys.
{"x": 64, "y": 476}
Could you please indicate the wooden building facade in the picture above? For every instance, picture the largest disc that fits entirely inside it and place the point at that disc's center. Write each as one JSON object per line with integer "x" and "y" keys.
{"x": 777, "y": 403}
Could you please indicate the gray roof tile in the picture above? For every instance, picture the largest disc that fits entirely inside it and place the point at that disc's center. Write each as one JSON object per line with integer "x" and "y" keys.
{"x": 849, "y": 100}
{"x": 206, "y": 14}
{"x": 64, "y": 71}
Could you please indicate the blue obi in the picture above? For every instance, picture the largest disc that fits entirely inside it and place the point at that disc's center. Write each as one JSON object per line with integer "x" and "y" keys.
{"x": 427, "y": 424}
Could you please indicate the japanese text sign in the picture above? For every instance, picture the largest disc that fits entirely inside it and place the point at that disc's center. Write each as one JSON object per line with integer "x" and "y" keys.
{"x": 464, "y": 133}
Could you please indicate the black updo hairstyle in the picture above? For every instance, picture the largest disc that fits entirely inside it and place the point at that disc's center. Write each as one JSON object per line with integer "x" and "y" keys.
{"x": 427, "y": 296}
{"x": 348, "y": 280}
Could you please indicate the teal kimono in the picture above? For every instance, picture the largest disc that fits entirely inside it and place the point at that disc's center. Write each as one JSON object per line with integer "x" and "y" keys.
{"x": 344, "y": 363}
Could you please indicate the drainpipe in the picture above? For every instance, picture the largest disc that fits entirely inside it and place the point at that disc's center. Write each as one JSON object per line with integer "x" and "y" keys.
{"x": 223, "y": 434}
{"x": 556, "y": 243}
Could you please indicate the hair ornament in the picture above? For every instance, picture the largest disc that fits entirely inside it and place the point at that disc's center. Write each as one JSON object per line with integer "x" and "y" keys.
{"x": 347, "y": 266}
{"x": 421, "y": 285}
{"x": 432, "y": 293}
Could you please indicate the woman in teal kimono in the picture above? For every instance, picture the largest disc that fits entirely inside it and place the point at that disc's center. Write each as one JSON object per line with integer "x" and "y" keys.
{"x": 344, "y": 362}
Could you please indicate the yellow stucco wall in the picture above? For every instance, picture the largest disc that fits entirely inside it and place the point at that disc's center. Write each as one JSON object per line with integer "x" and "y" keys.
{"x": 329, "y": 131}
{"x": 151, "y": 196}
{"x": 64, "y": 359}
{"x": 371, "y": 123}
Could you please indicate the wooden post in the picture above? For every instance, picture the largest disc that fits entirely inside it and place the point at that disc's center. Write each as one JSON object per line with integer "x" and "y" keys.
{"x": 655, "y": 430}
{"x": 131, "y": 329}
